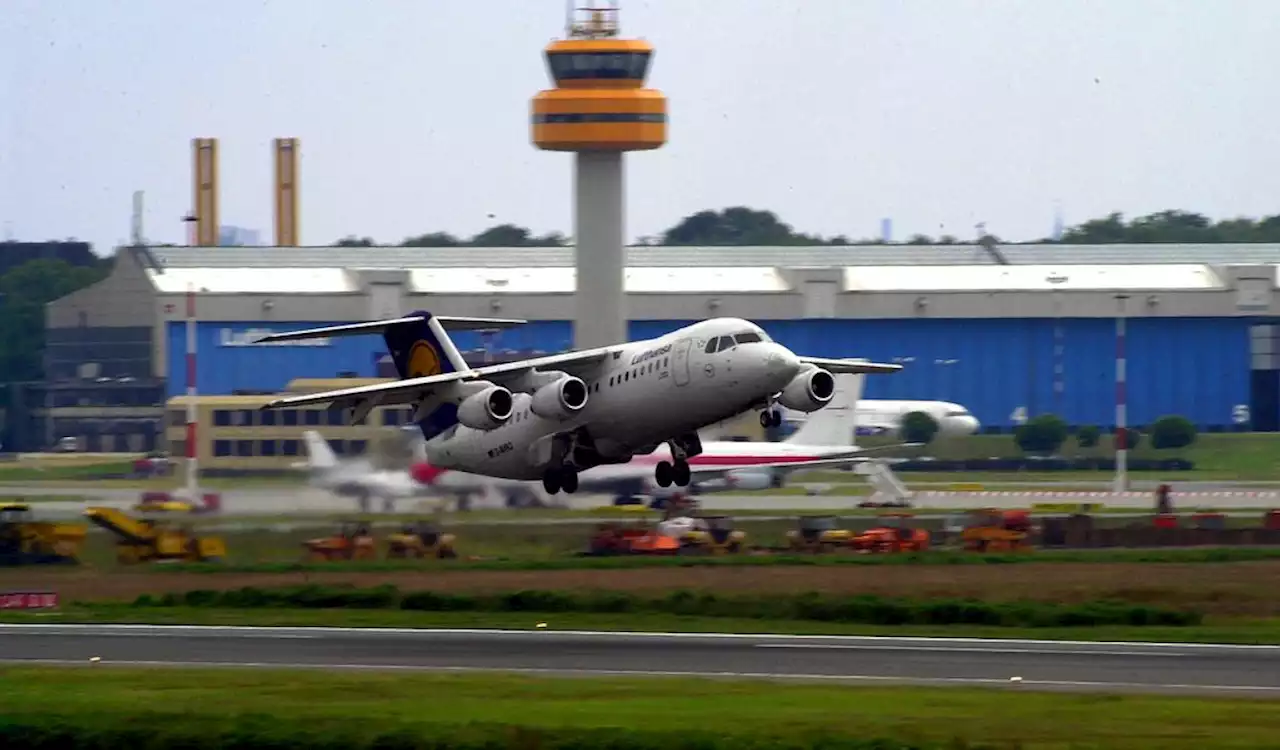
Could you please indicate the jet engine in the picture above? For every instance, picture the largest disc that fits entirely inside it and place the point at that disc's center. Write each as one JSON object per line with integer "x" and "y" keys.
{"x": 750, "y": 479}
{"x": 486, "y": 410}
{"x": 809, "y": 391}
{"x": 561, "y": 399}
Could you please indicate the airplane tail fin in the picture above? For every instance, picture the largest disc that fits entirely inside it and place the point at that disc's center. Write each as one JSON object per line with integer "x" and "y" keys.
{"x": 319, "y": 454}
{"x": 419, "y": 345}
{"x": 835, "y": 423}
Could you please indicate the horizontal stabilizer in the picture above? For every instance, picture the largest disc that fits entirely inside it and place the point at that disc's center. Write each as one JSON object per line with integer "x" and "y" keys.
{"x": 451, "y": 323}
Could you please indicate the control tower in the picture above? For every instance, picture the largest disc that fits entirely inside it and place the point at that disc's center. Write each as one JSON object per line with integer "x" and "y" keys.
{"x": 599, "y": 109}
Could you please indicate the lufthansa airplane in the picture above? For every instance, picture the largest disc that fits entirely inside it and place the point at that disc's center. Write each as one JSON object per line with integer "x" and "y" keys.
{"x": 551, "y": 417}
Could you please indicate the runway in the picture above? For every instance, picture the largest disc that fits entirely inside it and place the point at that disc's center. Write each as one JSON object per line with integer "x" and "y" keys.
{"x": 1096, "y": 667}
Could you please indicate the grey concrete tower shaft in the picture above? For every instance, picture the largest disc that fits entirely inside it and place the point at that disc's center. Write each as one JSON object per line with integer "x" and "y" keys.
{"x": 600, "y": 317}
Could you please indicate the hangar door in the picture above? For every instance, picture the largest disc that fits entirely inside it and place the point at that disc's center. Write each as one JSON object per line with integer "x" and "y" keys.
{"x": 1263, "y": 410}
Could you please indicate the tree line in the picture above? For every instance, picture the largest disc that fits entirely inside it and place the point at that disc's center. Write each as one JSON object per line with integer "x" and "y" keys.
{"x": 742, "y": 226}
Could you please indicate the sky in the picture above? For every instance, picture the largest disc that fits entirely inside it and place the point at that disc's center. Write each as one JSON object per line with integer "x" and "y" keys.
{"x": 413, "y": 115}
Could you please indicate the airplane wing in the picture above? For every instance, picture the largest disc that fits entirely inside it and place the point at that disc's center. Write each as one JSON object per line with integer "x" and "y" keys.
{"x": 850, "y": 366}
{"x": 853, "y": 457}
{"x": 414, "y": 390}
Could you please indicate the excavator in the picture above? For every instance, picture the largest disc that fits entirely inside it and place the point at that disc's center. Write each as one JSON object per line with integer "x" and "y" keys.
{"x": 994, "y": 530}
{"x": 894, "y": 534}
{"x": 351, "y": 542}
{"x": 419, "y": 540}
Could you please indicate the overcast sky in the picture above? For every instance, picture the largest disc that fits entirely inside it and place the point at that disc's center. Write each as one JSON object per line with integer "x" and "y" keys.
{"x": 413, "y": 116}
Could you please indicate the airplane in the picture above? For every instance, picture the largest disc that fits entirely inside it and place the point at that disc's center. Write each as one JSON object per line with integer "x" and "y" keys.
{"x": 552, "y": 417}
{"x": 824, "y": 440}
{"x": 357, "y": 478}
{"x": 884, "y": 417}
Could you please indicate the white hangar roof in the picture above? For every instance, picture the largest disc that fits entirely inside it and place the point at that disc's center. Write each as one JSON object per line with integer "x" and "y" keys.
{"x": 473, "y": 270}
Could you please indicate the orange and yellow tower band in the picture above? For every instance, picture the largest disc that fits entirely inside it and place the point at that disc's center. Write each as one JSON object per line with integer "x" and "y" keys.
{"x": 599, "y": 109}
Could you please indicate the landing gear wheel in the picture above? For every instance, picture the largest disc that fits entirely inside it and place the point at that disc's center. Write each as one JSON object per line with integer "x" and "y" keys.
{"x": 551, "y": 481}
{"x": 682, "y": 473}
{"x": 770, "y": 418}
{"x": 569, "y": 480}
{"x": 664, "y": 474}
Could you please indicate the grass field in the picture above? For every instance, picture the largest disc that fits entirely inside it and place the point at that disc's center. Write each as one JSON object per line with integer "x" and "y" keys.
{"x": 1006, "y": 718}
{"x": 1226, "y": 589}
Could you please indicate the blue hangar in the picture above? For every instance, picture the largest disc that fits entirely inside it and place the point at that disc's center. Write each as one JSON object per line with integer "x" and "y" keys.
{"x": 1028, "y": 330}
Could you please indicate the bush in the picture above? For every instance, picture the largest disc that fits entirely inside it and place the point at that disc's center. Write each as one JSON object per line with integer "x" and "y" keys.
{"x": 918, "y": 427}
{"x": 1044, "y": 434}
{"x": 811, "y": 606}
{"x": 1172, "y": 431}
{"x": 1088, "y": 436}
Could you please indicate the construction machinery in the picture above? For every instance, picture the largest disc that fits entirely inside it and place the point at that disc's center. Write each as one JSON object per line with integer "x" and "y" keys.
{"x": 419, "y": 540}
{"x": 994, "y": 530}
{"x": 156, "y": 538}
{"x": 894, "y": 534}
{"x": 618, "y": 539}
{"x": 818, "y": 534}
{"x": 714, "y": 535}
{"x": 26, "y": 541}
{"x": 352, "y": 541}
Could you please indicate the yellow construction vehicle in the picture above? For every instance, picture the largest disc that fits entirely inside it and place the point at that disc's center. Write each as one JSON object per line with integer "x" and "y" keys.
{"x": 26, "y": 541}
{"x": 156, "y": 539}
{"x": 420, "y": 540}
{"x": 717, "y": 537}
{"x": 818, "y": 534}
{"x": 351, "y": 542}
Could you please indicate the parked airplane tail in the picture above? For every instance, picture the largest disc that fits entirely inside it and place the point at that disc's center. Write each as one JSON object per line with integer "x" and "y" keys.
{"x": 835, "y": 423}
{"x": 319, "y": 454}
{"x": 419, "y": 345}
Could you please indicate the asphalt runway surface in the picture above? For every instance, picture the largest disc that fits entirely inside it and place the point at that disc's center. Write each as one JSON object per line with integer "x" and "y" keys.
{"x": 1095, "y": 667}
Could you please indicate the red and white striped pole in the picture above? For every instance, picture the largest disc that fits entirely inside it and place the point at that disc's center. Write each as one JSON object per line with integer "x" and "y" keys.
{"x": 192, "y": 465}
{"x": 1122, "y": 413}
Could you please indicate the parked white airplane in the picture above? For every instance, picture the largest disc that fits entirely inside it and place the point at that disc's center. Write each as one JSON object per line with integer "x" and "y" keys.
{"x": 881, "y": 417}
{"x": 825, "y": 439}
{"x": 552, "y": 417}
{"x": 357, "y": 478}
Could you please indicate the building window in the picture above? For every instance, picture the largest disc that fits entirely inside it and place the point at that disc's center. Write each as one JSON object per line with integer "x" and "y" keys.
{"x": 289, "y": 418}
{"x": 390, "y": 417}
{"x": 244, "y": 447}
{"x": 357, "y": 447}
{"x": 221, "y": 418}
{"x": 268, "y": 418}
{"x": 177, "y": 418}
{"x": 288, "y": 447}
{"x": 222, "y": 448}
{"x": 244, "y": 418}
{"x": 335, "y": 417}
{"x": 338, "y": 446}
{"x": 311, "y": 417}
{"x": 267, "y": 448}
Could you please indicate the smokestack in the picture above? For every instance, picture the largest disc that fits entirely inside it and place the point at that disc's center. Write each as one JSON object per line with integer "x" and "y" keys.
{"x": 205, "y": 198}
{"x": 286, "y": 192}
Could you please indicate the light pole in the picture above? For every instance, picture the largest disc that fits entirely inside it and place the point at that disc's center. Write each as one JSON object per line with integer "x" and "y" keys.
{"x": 1122, "y": 436}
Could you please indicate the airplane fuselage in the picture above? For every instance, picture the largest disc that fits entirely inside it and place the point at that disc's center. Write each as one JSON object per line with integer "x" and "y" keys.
{"x": 643, "y": 395}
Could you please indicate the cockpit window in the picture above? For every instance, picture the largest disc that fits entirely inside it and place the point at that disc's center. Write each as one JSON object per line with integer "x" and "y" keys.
{"x": 711, "y": 346}
{"x": 726, "y": 342}
{"x": 747, "y": 338}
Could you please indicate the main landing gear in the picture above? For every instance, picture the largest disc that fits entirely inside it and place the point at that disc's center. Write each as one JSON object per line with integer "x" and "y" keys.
{"x": 771, "y": 417}
{"x": 677, "y": 471}
{"x": 564, "y": 477}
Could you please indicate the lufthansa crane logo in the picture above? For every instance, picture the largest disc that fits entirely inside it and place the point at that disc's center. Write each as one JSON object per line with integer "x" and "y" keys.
{"x": 424, "y": 360}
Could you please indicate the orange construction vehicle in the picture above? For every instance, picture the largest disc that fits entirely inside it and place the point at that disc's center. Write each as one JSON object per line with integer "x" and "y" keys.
{"x": 615, "y": 539}
{"x": 994, "y": 530}
{"x": 895, "y": 534}
{"x": 352, "y": 542}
